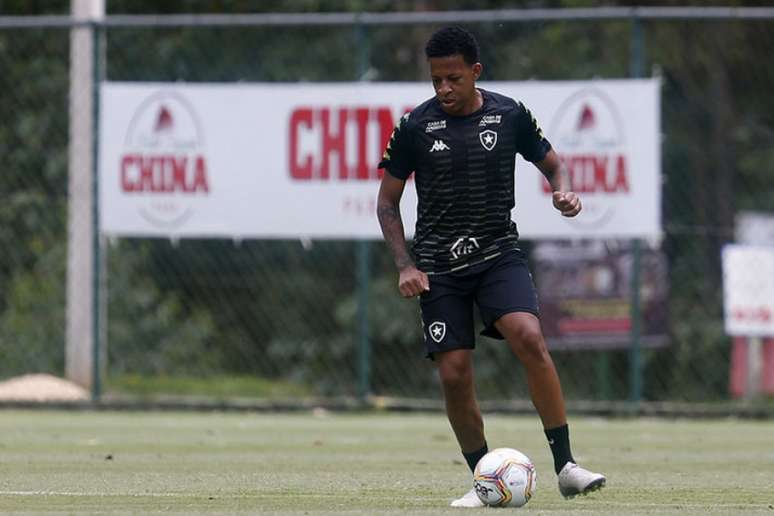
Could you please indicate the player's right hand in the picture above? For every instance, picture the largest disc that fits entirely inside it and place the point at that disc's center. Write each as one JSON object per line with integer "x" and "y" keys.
{"x": 412, "y": 282}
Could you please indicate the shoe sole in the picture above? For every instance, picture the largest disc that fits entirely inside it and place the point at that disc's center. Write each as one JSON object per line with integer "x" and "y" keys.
{"x": 594, "y": 486}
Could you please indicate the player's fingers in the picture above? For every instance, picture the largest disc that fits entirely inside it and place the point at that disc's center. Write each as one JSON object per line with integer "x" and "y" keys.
{"x": 564, "y": 201}
{"x": 573, "y": 211}
{"x": 577, "y": 205}
{"x": 564, "y": 205}
{"x": 571, "y": 205}
{"x": 420, "y": 285}
{"x": 411, "y": 288}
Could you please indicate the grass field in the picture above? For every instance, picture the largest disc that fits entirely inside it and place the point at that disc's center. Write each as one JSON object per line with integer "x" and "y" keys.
{"x": 202, "y": 463}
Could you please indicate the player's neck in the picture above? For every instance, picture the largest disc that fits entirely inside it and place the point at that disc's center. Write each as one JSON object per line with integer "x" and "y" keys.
{"x": 476, "y": 102}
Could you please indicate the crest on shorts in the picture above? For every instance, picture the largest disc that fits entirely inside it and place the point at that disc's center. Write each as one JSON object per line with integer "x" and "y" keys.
{"x": 437, "y": 330}
{"x": 488, "y": 139}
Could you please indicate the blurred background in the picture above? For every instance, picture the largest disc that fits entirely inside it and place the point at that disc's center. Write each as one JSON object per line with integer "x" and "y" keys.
{"x": 299, "y": 321}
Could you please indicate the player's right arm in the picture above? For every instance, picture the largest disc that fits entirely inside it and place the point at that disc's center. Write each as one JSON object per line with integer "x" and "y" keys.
{"x": 412, "y": 282}
{"x": 398, "y": 163}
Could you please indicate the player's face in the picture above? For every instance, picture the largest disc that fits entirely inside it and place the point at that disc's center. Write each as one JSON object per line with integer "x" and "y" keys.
{"x": 454, "y": 81}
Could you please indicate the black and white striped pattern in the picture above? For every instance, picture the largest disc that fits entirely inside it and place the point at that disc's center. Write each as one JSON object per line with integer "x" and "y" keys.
{"x": 465, "y": 190}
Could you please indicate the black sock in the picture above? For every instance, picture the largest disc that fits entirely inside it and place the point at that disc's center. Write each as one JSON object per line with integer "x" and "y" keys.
{"x": 472, "y": 458}
{"x": 559, "y": 441}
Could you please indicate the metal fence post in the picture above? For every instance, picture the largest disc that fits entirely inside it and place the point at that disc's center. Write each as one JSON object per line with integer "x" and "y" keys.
{"x": 363, "y": 253}
{"x": 81, "y": 326}
{"x": 635, "y": 355}
{"x": 364, "y": 343}
{"x": 96, "y": 386}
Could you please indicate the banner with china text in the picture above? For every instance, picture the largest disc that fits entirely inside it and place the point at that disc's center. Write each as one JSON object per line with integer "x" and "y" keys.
{"x": 299, "y": 160}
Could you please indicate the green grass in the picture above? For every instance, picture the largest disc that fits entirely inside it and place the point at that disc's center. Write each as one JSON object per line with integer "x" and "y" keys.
{"x": 225, "y": 387}
{"x": 402, "y": 464}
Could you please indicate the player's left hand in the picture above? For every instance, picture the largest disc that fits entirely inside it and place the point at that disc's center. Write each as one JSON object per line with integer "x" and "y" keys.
{"x": 568, "y": 203}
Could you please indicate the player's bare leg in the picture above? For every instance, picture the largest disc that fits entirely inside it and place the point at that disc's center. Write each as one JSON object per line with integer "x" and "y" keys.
{"x": 522, "y": 332}
{"x": 455, "y": 369}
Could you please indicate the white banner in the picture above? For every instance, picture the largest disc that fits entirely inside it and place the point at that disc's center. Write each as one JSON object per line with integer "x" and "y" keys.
{"x": 299, "y": 160}
{"x": 748, "y": 290}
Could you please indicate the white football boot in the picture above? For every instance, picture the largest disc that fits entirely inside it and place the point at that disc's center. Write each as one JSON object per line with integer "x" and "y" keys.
{"x": 469, "y": 500}
{"x": 574, "y": 480}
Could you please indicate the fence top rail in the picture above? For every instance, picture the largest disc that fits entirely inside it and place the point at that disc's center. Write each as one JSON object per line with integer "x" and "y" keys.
{"x": 369, "y": 18}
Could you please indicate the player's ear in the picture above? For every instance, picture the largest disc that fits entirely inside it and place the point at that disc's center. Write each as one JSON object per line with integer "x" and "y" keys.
{"x": 477, "y": 69}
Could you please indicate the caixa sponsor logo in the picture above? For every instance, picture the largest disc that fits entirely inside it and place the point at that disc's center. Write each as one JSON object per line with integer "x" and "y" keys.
{"x": 342, "y": 143}
{"x": 164, "y": 164}
{"x": 589, "y": 136}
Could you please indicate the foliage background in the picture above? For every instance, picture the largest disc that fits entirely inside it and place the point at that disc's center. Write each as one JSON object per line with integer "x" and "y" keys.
{"x": 286, "y": 311}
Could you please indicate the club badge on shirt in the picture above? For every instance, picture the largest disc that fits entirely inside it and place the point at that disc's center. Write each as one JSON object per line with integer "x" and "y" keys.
{"x": 488, "y": 139}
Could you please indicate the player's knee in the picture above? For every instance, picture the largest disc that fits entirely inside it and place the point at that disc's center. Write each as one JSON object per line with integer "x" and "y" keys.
{"x": 528, "y": 344}
{"x": 455, "y": 373}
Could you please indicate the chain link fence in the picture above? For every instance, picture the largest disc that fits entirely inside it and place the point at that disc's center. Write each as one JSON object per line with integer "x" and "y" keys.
{"x": 33, "y": 188}
{"x": 287, "y": 317}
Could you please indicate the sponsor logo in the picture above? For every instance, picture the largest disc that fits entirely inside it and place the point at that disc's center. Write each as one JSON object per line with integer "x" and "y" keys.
{"x": 164, "y": 163}
{"x": 463, "y": 246}
{"x": 490, "y": 119}
{"x": 437, "y": 330}
{"x": 752, "y": 314}
{"x": 488, "y": 139}
{"x": 482, "y": 490}
{"x": 436, "y": 125}
{"x": 439, "y": 145}
{"x": 589, "y": 133}
{"x": 339, "y": 143}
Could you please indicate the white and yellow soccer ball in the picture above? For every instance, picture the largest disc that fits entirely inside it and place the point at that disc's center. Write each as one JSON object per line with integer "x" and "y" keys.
{"x": 505, "y": 477}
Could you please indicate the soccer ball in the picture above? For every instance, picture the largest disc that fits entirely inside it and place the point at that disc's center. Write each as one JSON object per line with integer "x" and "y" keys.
{"x": 505, "y": 477}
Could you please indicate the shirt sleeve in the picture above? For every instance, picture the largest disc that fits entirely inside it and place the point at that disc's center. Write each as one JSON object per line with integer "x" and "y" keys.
{"x": 398, "y": 158}
{"x": 530, "y": 141}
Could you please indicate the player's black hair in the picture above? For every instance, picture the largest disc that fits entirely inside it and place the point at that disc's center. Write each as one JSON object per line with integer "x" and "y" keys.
{"x": 450, "y": 41}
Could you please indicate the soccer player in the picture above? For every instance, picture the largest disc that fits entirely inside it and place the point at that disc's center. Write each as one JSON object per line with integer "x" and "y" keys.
{"x": 461, "y": 146}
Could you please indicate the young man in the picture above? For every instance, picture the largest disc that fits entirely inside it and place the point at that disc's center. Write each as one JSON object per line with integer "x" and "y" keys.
{"x": 461, "y": 145}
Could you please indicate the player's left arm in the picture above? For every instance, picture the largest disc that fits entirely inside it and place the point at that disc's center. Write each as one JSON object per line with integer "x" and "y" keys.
{"x": 564, "y": 199}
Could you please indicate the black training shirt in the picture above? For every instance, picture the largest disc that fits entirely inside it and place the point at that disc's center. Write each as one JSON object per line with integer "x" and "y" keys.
{"x": 464, "y": 172}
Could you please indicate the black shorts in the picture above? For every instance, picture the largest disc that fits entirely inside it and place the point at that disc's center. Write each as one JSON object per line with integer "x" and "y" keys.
{"x": 499, "y": 286}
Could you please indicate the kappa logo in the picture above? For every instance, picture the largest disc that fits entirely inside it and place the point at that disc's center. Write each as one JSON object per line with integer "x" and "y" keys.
{"x": 488, "y": 139}
{"x": 438, "y": 145}
{"x": 437, "y": 330}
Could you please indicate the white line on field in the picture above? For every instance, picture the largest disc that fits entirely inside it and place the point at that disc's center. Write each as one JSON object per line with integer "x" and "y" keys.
{"x": 371, "y": 496}
{"x": 213, "y": 495}
{"x": 75, "y": 493}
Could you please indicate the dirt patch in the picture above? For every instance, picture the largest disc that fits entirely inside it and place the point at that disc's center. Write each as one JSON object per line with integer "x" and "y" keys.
{"x": 41, "y": 387}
